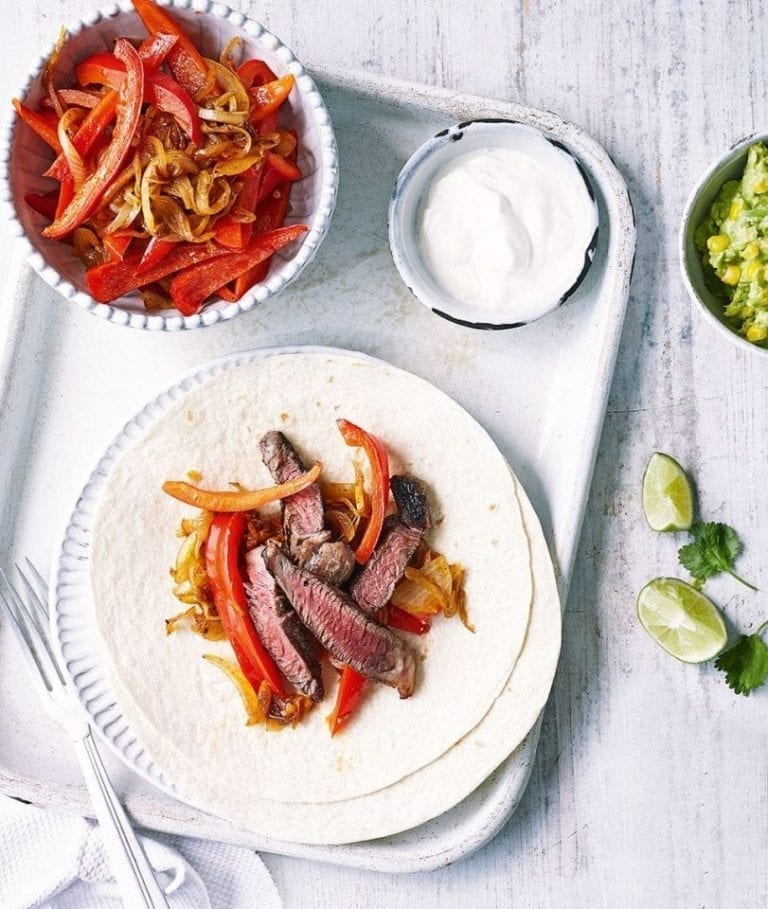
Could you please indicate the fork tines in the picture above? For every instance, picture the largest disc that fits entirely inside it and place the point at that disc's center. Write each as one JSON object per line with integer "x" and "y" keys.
{"x": 29, "y": 620}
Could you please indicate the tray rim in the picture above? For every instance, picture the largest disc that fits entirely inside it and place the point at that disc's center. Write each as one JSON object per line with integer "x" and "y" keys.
{"x": 618, "y": 266}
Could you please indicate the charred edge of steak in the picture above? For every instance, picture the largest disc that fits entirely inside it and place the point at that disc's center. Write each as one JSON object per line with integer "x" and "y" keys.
{"x": 343, "y": 629}
{"x": 280, "y": 457}
{"x": 332, "y": 562}
{"x": 286, "y": 639}
{"x": 373, "y": 587}
{"x": 411, "y": 499}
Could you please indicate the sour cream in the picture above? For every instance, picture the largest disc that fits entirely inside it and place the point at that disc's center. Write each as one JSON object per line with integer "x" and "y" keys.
{"x": 506, "y": 230}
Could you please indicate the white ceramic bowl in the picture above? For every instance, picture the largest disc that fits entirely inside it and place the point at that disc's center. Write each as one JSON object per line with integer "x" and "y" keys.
{"x": 413, "y": 182}
{"x": 729, "y": 166}
{"x": 24, "y": 157}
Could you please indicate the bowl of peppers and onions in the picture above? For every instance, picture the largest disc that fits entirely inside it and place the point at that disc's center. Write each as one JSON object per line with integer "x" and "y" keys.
{"x": 171, "y": 169}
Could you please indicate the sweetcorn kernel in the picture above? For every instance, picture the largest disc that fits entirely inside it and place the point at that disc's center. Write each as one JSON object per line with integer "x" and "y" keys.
{"x": 731, "y": 275}
{"x": 737, "y": 207}
{"x": 752, "y": 270}
{"x": 757, "y": 333}
{"x": 761, "y": 186}
{"x": 751, "y": 251}
{"x": 718, "y": 243}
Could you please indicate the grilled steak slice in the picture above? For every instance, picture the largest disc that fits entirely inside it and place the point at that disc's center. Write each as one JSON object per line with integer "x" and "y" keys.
{"x": 331, "y": 562}
{"x": 303, "y": 520}
{"x": 280, "y": 629}
{"x": 399, "y": 539}
{"x": 303, "y": 511}
{"x": 411, "y": 500}
{"x": 347, "y": 633}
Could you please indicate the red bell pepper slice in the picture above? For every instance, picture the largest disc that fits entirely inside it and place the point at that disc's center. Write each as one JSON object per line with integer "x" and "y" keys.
{"x": 267, "y": 124}
{"x": 117, "y": 245}
{"x": 348, "y": 697}
{"x": 127, "y": 119}
{"x": 184, "y": 60}
{"x": 236, "y": 234}
{"x": 43, "y": 204}
{"x": 192, "y": 287}
{"x": 277, "y": 170}
{"x": 269, "y": 97}
{"x": 90, "y": 131}
{"x": 156, "y": 48}
{"x": 154, "y": 253}
{"x": 404, "y": 621}
{"x": 255, "y": 72}
{"x": 44, "y": 124}
{"x": 379, "y": 464}
{"x": 113, "y": 279}
{"x": 160, "y": 89}
{"x": 222, "y": 562}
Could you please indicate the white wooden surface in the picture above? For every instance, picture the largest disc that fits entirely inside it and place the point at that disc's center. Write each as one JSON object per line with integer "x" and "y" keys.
{"x": 650, "y": 787}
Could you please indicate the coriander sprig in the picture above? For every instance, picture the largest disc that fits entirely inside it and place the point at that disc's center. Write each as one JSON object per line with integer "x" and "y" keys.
{"x": 714, "y": 549}
{"x": 746, "y": 663}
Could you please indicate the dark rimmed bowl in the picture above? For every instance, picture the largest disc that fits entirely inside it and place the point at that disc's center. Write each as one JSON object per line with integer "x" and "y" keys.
{"x": 413, "y": 182}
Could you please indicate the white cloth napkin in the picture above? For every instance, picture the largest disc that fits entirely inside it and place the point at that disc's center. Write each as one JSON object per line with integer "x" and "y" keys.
{"x": 53, "y": 860}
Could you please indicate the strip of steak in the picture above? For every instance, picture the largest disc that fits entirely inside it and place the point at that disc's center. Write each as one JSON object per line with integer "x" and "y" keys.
{"x": 280, "y": 629}
{"x": 344, "y": 630}
{"x": 307, "y": 539}
{"x": 400, "y": 537}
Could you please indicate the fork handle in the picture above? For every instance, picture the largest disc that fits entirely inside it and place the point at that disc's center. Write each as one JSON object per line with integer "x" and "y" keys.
{"x": 129, "y": 864}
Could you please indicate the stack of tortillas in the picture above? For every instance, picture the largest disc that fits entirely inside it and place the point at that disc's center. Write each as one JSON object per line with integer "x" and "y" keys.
{"x": 399, "y": 762}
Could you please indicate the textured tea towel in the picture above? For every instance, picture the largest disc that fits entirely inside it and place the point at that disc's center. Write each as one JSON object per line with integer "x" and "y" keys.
{"x": 53, "y": 860}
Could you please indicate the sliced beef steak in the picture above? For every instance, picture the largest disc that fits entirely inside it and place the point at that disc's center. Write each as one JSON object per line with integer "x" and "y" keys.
{"x": 344, "y": 630}
{"x": 280, "y": 629}
{"x": 399, "y": 539}
{"x": 307, "y": 539}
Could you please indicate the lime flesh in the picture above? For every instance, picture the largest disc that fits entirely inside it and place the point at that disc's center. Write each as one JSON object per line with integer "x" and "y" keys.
{"x": 667, "y": 494}
{"x": 681, "y": 620}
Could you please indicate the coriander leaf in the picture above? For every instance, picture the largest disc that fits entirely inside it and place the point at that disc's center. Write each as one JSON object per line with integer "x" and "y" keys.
{"x": 714, "y": 549}
{"x": 745, "y": 664}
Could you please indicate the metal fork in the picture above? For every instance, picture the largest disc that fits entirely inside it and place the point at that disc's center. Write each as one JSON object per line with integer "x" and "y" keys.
{"x": 29, "y": 620}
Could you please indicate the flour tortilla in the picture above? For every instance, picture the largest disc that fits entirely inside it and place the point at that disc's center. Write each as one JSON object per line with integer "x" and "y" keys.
{"x": 162, "y": 683}
{"x": 431, "y": 790}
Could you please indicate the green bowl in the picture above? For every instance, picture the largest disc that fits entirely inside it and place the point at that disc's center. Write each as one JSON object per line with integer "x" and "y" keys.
{"x": 729, "y": 166}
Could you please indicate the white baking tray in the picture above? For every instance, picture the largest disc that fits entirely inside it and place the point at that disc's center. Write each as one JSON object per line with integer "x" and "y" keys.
{"x": 69, "y": 381}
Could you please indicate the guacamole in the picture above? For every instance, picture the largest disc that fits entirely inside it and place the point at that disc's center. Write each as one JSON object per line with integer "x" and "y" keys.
{"x": 734, "y": 240}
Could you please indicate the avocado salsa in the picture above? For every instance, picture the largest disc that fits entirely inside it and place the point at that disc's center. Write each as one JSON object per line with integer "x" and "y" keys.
{"x": 734, "y": 241}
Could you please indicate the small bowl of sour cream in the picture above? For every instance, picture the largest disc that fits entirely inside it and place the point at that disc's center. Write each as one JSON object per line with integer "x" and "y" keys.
{"x": 492, "y": 224}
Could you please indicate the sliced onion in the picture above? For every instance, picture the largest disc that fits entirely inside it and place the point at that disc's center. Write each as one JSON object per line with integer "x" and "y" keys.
{"x": 75, "y": 162}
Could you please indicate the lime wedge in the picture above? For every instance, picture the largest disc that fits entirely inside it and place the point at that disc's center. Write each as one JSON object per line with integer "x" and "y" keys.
{"x": 682, "y": 620}
{"x": 667, "y": 494}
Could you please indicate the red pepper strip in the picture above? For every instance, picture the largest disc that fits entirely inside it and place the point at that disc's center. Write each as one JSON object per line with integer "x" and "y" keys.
{"x": 156, "y": 48}
{"x": 268, "y": 124}
{"x": 379, "y": 463}
{"x": 159, "y": 89}
{"x": 236, "y": 234}
{"x": 192, "y": 287}
{"x": 404, "y": 621}
{"x": 270, "y": 214}
{"x": 348, "y": 696}
{"x": 255, "y": 72}
{"x": 185, "y": 61}
{"x": 266, "y": 98}
{"x": 127, "y": 120}
{"x": 77, "y": 98}
{"x": 117, "y": 245}
{"x": 277, "y": 170}
{"x": 44, "y": 205}
{"x": 113, "y": 279}
{"x": 154, "y": 253}
{"x": 91, "y": 129}
{"x": 40, "y": 123}
{"x": 66, "y": 194}
{"x": 222, "y": 556}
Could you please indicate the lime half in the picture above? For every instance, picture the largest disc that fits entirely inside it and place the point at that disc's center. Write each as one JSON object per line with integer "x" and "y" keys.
{"x": 667, "y": 494}
{"x": 682, "y": 620}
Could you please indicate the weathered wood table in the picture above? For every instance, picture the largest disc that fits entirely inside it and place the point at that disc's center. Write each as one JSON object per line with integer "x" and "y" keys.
{"x": 650, "y": 783}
